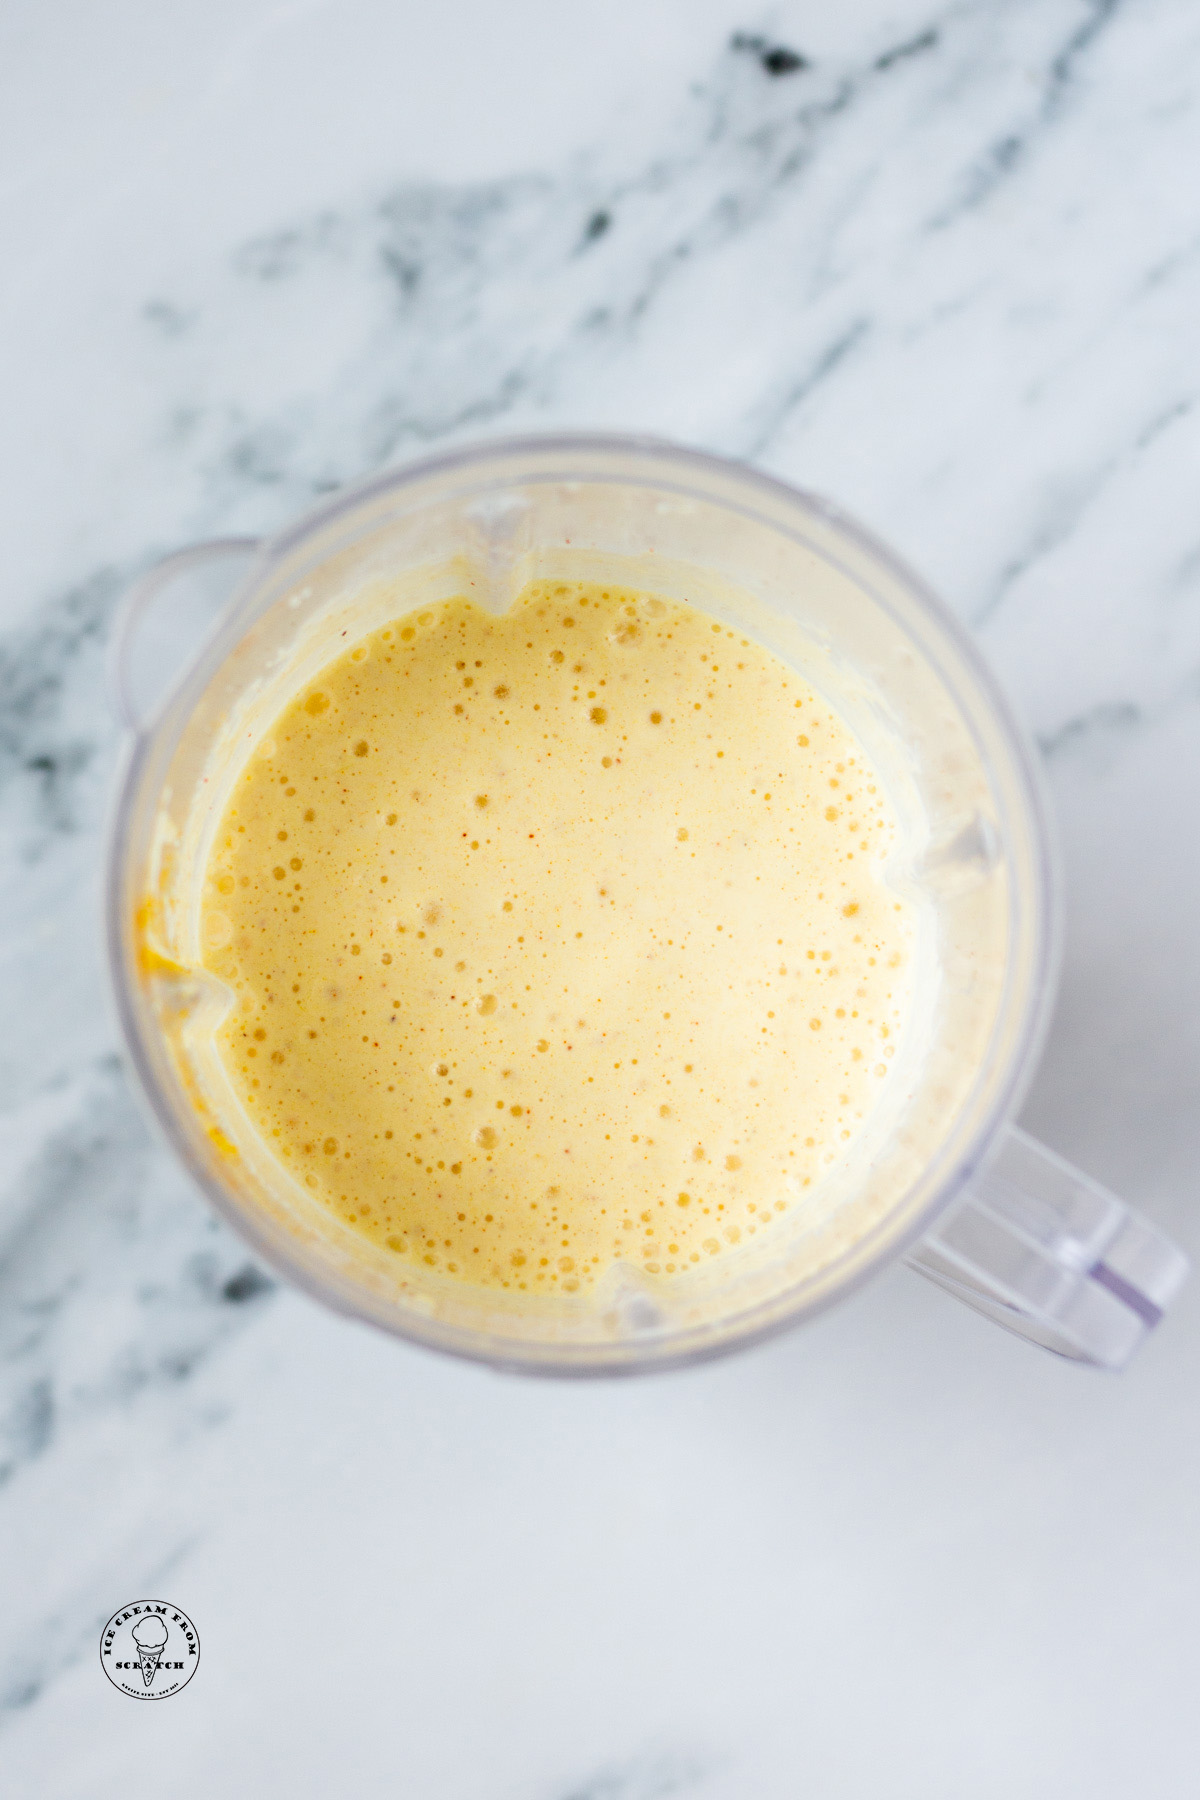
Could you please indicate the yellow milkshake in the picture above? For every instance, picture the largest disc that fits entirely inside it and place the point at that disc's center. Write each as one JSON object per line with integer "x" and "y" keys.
{"x": 558, "y": 938}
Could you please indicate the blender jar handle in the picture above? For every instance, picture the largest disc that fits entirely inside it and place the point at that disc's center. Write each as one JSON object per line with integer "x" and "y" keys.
{"x": 135, "y": 610}
{"x": 1045, "y": 1251}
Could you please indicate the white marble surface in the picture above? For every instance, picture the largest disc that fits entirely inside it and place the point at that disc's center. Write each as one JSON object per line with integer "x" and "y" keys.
{"x": 948, "y": 272}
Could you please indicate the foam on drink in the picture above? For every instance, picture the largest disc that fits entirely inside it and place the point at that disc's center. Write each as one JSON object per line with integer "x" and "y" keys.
{"x": 559, "y": 938}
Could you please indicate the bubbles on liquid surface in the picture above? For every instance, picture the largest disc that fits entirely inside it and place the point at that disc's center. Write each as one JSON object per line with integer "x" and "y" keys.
{"x": 598, "y": 1035}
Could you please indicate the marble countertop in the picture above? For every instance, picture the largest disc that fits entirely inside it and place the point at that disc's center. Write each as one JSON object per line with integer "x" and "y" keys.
{"x": 941, "y": 263}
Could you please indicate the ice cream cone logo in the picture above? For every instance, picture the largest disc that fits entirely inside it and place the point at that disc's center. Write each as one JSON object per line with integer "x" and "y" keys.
{"x": 149, "y": 1649}
{"x": 150, "y": 1636}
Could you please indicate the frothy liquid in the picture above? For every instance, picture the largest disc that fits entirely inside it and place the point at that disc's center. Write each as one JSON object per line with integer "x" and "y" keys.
{"x": 558, "y": 938}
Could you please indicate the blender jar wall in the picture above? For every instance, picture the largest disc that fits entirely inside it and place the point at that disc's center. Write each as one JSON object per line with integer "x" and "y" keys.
{"x": 779, "y": 566}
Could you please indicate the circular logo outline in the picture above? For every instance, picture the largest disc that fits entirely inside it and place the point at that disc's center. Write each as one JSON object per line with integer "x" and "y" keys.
{"x": 145, "y": 1640}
